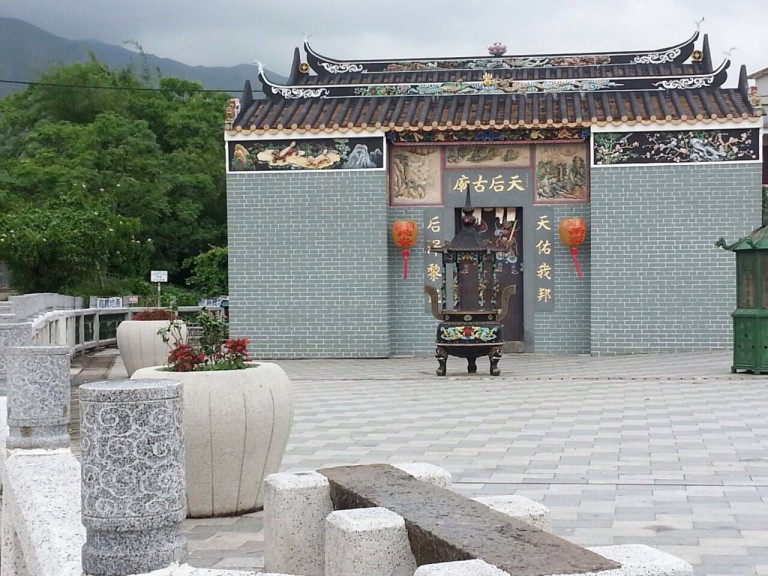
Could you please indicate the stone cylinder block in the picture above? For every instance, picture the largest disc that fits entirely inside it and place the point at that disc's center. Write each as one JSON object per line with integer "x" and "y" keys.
{"x": 295, "y": 509}
{"x": 133, "y": 485}
{"x": 370, "y": 541}
{"x": 521, "y": 508}
{"x": 460, "y": 568}
{"x": 12, "y": 334}
{"x": 38, "y": 396}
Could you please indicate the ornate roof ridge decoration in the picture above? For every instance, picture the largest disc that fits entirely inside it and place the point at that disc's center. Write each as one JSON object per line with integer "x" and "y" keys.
{"x": 678, "y": 53}
{"x": 490, "y": 85}
{"x": 286, "y": 132}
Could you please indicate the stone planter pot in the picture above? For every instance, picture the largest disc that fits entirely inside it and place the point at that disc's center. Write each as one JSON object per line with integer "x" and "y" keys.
{"x": 236, "y": 427}
{"x": 140, "y": 345}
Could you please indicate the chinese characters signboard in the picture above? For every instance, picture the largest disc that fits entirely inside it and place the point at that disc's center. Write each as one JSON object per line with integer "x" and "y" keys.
{"x": 488, "y": 185}
{"x": 544, "y": 262}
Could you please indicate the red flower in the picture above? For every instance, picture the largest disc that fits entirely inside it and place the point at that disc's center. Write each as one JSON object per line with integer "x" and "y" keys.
{"x": 184, "y": 358}
{"x": 468, "y": 331}
{"x": 212, "y": 353}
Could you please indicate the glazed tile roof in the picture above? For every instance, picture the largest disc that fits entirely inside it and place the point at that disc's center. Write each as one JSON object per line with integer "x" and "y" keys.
{"x": 675, "y": 84}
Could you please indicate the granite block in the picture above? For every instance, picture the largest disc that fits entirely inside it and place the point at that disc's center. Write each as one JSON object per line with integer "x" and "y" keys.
{"x": 521, "y": 508}
{"x": 461, "y": 568}
{"x": 12, "y": 334}
{"x": 642, "y": 560}
{"x": 370, "y": 541}
{"x": 295, "y": 509}
{"x": 133, "y": 486}
{"x": 38, "y": 396}
{"x": 427, "y": 473}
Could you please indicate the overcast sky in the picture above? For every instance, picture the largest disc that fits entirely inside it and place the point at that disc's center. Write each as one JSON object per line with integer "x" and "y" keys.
{"x": 213, "y": 33}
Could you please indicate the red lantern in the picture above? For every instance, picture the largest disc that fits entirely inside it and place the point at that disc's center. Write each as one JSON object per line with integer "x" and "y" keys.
{"x": 572, "y": 232}
{"x": 404, "y": 235}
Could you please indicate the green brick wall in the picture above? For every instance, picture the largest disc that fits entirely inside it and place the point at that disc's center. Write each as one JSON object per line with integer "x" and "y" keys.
{"x": 412, "y": 327}
{"x": 314, "y": 272}
{"x": 309, "y": 263}
{"x": 658, "y": 282}
{"x": 566, "y": 329}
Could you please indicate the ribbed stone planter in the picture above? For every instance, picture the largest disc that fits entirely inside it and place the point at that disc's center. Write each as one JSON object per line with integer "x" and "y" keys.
{"x": 236, "y": 427}
{"x": 140, "y": 345}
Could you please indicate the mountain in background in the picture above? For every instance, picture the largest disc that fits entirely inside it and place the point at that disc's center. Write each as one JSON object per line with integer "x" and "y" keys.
{"x": 26, "y": 51}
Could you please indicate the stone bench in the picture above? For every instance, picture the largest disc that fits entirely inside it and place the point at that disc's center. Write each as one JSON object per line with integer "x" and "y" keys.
{"x": 444, "y": 526}
{"x": 313, "y": 526}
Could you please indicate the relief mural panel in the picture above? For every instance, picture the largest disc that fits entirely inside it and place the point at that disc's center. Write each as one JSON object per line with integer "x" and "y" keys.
{"x": 676, "y": 147}
{"x": 415, "y": 176}
{"x": 561, "y": 173}
{"x": 307, "y": 154}
{"x": 479, "y": 155}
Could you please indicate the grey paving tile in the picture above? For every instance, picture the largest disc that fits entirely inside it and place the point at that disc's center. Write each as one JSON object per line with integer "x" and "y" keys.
{"x": 666, "y": 450}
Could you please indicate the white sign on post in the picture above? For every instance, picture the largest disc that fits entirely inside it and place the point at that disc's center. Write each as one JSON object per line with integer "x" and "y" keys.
{"x": 158, "y": 276}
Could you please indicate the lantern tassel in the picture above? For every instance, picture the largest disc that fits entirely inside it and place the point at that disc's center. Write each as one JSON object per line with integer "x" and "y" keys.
{"x": 574, "y": 251}
{"x": 406, "y": 253}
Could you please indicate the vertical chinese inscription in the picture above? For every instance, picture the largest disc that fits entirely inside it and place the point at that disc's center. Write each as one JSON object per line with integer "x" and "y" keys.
{"x": 433, "y": 238}
{"x": 543, "y": 272}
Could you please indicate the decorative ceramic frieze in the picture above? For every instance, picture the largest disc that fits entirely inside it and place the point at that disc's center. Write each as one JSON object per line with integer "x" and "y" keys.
{"x": 676, "y": 147}
{"x": 500, "y": 135}
{"x": 320, "y": 154}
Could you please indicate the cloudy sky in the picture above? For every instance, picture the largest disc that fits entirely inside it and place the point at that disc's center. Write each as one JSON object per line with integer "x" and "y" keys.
{"x": 211, "y": 33}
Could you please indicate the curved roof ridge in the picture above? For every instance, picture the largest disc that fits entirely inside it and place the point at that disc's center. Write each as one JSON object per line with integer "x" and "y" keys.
{"x": 489, "y": 85}
{"x": 676, "y": 53}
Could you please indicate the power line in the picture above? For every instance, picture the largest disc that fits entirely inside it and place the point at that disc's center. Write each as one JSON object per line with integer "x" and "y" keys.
{"x": 118, "y": 88}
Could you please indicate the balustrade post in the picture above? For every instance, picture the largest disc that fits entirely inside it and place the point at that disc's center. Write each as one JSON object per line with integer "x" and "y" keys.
{"x": 133, "y": 484}
{"x": 38, "y": 396}
{"x": 12, "y": 334}
{"x": 97, "y": 327}
{"x": 61, "y": 330}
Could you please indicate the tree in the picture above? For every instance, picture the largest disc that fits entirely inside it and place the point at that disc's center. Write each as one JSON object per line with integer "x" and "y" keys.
{"x": 209, "y": 272}
{"x": 68, "y": 241}
{"x": 145, "y": 151}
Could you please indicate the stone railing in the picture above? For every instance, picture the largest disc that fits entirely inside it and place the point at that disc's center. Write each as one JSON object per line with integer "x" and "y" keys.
{"x": 29, "y": 306}
{"x": 116, "y": 513}
{"x": 57, "y": 320}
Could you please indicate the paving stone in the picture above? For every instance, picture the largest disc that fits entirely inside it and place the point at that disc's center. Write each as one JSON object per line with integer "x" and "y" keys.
{"x": 586, "y": 416}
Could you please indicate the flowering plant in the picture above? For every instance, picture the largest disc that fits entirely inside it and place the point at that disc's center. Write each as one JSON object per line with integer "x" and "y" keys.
{"x": 154, "y": 314}
{"x": 214, "y": 351}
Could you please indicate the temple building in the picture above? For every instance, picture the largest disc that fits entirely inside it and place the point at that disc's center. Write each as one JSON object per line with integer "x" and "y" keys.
{"x": 649, "y": 148}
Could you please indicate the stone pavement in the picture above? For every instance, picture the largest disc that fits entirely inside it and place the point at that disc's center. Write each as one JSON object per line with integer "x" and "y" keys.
{"x": 669, "y": 450}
